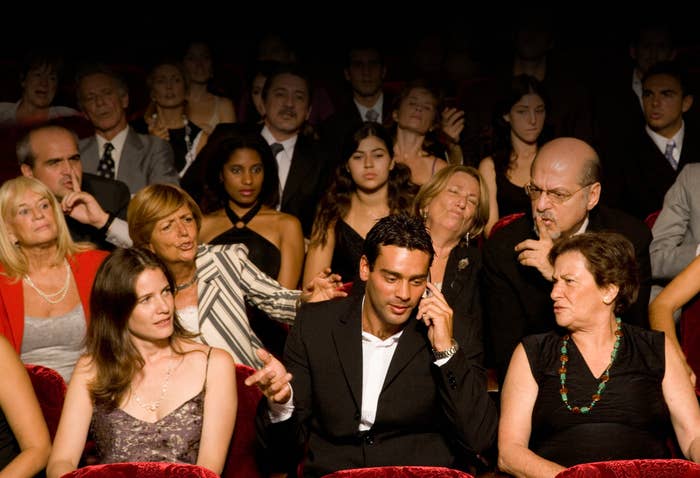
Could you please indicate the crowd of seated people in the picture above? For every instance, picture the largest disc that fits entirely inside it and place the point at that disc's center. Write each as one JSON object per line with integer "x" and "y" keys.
{"x": 347, "y": 259}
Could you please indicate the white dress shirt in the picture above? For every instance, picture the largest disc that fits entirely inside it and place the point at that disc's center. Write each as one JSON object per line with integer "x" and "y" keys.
{"x": 118, "y": 144}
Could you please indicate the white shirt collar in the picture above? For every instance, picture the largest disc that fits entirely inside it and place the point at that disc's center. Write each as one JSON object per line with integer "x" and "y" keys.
{"x": 288, "y": 143}
{"x": 118, "y": 143}
{"x": 378, "y": 107}
{"x": 661, "y": 141}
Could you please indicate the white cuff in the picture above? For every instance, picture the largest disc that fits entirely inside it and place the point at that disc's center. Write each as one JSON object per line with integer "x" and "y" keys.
{"x": 280, "y": 412}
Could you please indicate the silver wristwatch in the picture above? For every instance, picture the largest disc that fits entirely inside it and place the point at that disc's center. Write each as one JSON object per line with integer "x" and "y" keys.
{"x": 446, "y": 353}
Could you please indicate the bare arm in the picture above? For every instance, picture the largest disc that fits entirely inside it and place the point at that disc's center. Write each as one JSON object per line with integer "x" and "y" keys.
{"x": 517, "y": 402}
{"x": 75, "y": 422}
{"x": 488, "y": 172}
{"x": 220, "y": 404}
{"x": 678, "y": 292}
{"x": 227, "y": 113}
{"x": 682, "y": 403}
{"x": 21, "y": 408}
{"x": 319, "y": 257}
{"x": 291, "y": 251}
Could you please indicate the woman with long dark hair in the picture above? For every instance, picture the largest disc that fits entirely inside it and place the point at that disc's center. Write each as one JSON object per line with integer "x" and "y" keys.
{"x": 368, "y": 186}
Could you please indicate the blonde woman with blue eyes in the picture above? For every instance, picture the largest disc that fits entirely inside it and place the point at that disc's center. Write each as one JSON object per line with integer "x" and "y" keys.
{"x": 45, "y": 278}
{"x": 454, "y": 204}
{"x": 518, "y": 125}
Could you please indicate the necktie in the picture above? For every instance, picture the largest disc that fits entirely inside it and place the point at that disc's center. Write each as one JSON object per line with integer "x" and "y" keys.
{"x": 371, "y": 115}
{"x": 669, "y": 154}
{"x": 276, "y": 148}
{"x": 106, "y": 166}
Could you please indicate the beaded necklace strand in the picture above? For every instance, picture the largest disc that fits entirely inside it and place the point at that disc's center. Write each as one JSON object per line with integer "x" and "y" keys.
{"x": 563, "y": 391}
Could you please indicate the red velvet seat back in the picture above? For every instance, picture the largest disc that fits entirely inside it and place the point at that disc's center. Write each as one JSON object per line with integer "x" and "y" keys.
{"x": 240, "y": 462}
{"x": 505, "y": 220}
{"x": 50, "y": 391}
{"x": 690, "y": 336}
{"x": 142, "y": 470}
{"x": 650, "y": 220}
{"x": 400, "y": 472}
{"x": 634, "y": 469}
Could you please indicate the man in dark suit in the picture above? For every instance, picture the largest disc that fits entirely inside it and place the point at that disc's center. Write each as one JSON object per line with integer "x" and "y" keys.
{"x": 663, "y": 145}
{"x": 365, "y": 72}
{"x": 95, "y": 207}
{"x": 138, "y": 159}
{"x": 564, "y": 190}
{"x": 303, "y": 166}
{"x": 382, "y": 377}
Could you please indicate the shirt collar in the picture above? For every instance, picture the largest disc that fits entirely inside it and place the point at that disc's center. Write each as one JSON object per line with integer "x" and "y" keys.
{"x": 660, "y": 141}
{"x": 378, "y": 106}
{"x": 288, "y": 143}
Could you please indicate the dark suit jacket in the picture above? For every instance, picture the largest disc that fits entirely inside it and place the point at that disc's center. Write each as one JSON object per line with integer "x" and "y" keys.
{"x": 306, "y": 182}
{"x": 647, "y": 174}
{"x": 516, "y": 297}
{"x": 460, "y": 286}
{"x": 426, "y": 415}
{"x": 335, "y": 129}
{"x": 145, "y": 159}
{"x": 112, "y": 195}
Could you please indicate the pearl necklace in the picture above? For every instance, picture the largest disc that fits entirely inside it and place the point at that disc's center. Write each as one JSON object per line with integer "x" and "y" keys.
{"x": 55, "y": 297}
{"x": 603, "y": 378}
{"x": 153, "y": 406}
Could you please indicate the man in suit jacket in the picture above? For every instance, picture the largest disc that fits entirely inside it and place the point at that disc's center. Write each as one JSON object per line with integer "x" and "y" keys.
{"x": 95, "y": 207}
{"x": 648, "y": 172}
{"x": 303, "y": 167}
{"x": 564, "y": 190}
{"x": 382, "y": 377}
{"x": 365, "y": 72}
{"x": 676, "y": 231}
{"x": 139, "y": 159}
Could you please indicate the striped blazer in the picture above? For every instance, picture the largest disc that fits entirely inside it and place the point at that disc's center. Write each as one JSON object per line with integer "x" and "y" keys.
{"x": 227, "y": 279}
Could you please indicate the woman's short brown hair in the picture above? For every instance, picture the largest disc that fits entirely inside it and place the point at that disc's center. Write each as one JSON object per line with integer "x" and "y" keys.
{"x": 609, "y": 258}
{"x": 153, "y": 203}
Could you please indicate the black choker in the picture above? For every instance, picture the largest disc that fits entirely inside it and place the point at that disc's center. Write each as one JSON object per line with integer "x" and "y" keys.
{"x": 240, "y": 222}
{"x": 187, "y": 284}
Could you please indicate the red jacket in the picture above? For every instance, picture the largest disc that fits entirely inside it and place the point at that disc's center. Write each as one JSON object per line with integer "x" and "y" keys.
{"x": 84, "y": 266}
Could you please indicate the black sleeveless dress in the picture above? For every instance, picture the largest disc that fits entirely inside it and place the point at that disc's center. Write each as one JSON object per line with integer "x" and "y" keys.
{"x": 266, "y": 256}
{"x": 510, "y": 198}
{"x": 9, "y": 448}
{"x": 631, "y": 419}
{"x": 347, "y": 251}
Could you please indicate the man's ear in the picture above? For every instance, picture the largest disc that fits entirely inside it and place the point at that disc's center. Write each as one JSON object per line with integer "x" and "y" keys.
{"x": 593, "y": 196}
{"x": 26, "y": 170}
{"x": 687, "y": 102}
{"x": 364, "y": 268}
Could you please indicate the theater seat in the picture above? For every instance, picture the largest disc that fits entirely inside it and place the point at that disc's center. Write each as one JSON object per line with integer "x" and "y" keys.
{"x": 504, "y": 221}
{"x": 400, "y": 472}
{"x": 142, "y": 470}
{"x": 240, "y": 462}
{"x": 50, "y": 391}
{"x": 634, "y": 469}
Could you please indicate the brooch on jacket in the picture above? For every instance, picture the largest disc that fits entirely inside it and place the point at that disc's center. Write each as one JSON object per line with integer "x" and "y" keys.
{"x": 462, "y": 264}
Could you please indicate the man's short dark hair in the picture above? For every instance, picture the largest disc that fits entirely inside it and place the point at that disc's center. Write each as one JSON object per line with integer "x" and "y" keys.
{"x": 279, "y": 69}
{"x": 671, "y": 68}
{"x": 400, "y": 230}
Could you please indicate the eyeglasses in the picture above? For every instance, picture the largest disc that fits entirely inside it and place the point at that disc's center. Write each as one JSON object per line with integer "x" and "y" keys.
{"x": 557, "y": 196}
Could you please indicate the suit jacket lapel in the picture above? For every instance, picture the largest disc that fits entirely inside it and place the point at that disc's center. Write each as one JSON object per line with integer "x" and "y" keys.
{"x": 296, "y": 171}
{"x": 456, "y": 275}
{"x": 412, "y": 341}
{"x": 347, "y": 337}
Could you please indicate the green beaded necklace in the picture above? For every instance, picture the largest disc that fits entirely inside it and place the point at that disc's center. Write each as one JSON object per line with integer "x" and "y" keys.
{"x": 603, "y": 378}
